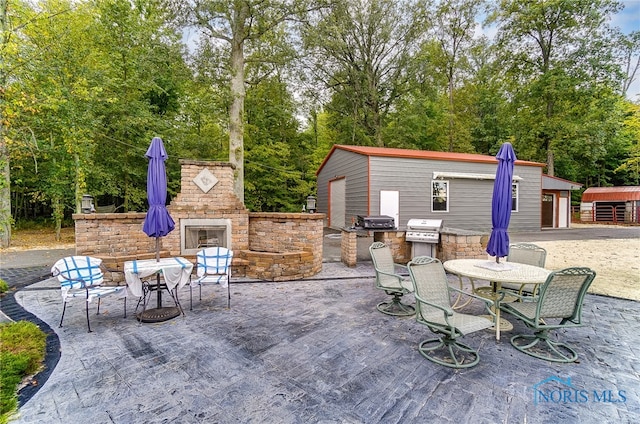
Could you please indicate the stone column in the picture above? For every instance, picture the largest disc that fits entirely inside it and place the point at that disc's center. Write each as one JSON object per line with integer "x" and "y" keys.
{"x": 349, "y": 248}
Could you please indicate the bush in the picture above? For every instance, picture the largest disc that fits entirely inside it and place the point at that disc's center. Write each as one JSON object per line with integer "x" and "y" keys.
{"x": 3, "y": 286}
{"x": 22, "y": 350}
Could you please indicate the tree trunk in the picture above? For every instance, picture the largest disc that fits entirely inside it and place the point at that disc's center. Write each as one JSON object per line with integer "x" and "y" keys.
{"x": 550, "y": 165}
{"x": 5, "y": 192}
{"x": 236, "y": 112}
{"x": 5, "y": 178}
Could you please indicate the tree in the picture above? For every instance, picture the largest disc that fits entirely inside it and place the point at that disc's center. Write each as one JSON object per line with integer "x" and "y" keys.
{"x": 361, "y": 51}
{"x": 274, "y": 151}
{"x": 7, "y": 47}
{"x": 54, "y": 120}
{"x": 141, "y": 88}
{"x": 454, "y": 29}
{"x": 629, "y": 58}
{"x": 557, "y": 55}
{"x": 244, "y": 26}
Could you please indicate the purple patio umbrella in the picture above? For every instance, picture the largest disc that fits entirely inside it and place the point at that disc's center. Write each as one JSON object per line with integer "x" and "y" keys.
{"x": 158, "y": 223}
{"x": 498, "y": 245}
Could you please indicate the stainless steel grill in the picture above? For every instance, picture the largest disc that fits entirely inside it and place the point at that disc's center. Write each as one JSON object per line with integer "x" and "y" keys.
{"x": 424, "y": 235}
{"x": 424, "y": 230}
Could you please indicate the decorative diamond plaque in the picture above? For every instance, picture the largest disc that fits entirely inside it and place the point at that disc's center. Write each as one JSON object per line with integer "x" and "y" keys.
{"x": 205, "y": 180}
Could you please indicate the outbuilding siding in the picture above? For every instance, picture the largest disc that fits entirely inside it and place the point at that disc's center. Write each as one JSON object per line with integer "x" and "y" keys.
{"x": 354, "y": 168}
{"x": 411, "y": 176}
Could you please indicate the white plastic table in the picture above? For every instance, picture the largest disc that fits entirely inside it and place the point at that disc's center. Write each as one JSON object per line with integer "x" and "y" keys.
{"x": 504, "y": 272}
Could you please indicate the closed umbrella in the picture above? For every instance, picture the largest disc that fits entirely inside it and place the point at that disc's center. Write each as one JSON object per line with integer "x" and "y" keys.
{"x": 498, "y": 245}
{"x": 158, "y": 223}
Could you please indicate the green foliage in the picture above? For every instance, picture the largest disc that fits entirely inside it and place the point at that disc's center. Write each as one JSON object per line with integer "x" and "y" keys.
{"x": 276, "y": 156}
{"x": 87, "y": 84}
{"x": 559, "y": 68}
{"x": 3, "y": 286}
{"x": 22, "y": 350}
{"x": 360, "y": 52}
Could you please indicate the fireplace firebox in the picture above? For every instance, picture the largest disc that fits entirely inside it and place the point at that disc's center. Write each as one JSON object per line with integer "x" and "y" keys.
{"x": 197, "y": 234}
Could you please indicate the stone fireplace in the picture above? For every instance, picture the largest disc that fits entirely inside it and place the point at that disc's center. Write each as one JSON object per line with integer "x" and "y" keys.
{"x": 196, "y": 234}
{"x": 267, "y": 246}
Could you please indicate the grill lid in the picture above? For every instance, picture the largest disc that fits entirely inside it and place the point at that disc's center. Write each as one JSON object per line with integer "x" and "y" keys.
{"x": 417, "y": 224}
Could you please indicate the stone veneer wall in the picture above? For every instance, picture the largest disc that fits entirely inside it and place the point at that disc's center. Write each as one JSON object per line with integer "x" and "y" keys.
{"x": 220, "y": 202}
{"x": 462, "y": 244}
{"x": 287, "y": 246}
{"x": 284, "y": 246}
{"x": 400, "y": 248}
{"x": 453, "y": 244}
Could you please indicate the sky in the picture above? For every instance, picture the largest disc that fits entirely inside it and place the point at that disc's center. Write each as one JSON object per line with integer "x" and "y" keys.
{"x": 628, "y": 20}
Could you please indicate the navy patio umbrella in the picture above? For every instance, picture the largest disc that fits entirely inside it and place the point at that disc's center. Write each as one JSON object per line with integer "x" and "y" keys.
{"x": 158, "y": 223}
{"x": 498, "y": 245}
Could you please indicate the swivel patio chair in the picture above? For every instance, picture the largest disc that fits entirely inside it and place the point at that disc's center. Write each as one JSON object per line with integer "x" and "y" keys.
{"x": 213, "y": 265}
{"x": 82, "y": 276}
{"x": 389, "y": 280}
{"x": 560, "y": 299}
{"x": 435, "y": 310}
{"x": 529, "y": 254}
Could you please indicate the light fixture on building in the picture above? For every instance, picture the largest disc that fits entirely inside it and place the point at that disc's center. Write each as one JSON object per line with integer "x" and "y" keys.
{"x": 311, "y": 204}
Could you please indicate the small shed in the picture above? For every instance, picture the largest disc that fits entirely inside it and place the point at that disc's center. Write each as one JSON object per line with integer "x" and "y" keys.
{"x": 406, "y": 184}
{"x": 556, "y": 201}
{"x": 610, "y": 204}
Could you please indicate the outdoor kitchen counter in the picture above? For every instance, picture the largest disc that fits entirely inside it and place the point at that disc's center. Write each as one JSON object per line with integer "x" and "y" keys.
{"x": 393, "y": 237}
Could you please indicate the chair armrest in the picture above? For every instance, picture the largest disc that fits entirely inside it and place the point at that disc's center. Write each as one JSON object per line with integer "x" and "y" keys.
{"x": 518, "y": 296}
{"x": 391, "y": 274}
{"x": 447, "y": 311}
{"x": 489, "y": 302}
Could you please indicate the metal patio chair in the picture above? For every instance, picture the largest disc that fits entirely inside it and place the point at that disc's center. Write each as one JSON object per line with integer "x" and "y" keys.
{"x": 82, "y": 276}
{"x": 435, "y": 310}
{"x": 557, "y": 306}
{"x": 529, "y": 254}
{"x": 389, "y": 280}
{"x": 213, "y": 265}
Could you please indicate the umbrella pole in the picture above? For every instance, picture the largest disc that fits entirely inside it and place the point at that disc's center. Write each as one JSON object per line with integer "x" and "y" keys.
{"x": 159, "y": 290}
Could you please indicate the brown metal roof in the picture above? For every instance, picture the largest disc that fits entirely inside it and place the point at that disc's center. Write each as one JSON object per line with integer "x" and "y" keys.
{"x": 611, "y": 194}
{"x": 419, "y": 154}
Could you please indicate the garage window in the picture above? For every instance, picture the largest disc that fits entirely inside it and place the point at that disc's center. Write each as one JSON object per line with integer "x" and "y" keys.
{"x": 440, "y": 196}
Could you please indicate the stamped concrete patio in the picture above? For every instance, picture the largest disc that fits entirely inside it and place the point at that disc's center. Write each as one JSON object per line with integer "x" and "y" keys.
{"x": 318, "y": 351}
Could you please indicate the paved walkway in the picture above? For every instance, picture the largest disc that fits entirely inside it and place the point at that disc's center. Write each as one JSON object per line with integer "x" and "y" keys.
{"x": 317, "y": 351}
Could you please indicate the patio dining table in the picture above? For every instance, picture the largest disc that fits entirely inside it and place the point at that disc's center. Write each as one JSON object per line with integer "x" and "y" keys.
{"x": 176, "y": 272}
{"x": 497, "y": 273}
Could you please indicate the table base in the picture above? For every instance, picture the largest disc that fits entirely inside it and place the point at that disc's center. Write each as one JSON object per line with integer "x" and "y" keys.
{"x": 505, "y": 325}
{"x": 159, "y": 314}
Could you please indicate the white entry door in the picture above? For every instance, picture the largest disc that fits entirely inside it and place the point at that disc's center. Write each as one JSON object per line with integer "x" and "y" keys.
{"x": 563, "y": 212}
{"x": 337, "y": 209}
{"x": 390, "y": 205}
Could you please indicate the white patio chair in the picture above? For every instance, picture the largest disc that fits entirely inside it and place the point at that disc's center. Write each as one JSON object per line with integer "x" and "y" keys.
{"x": 82, "y": 276}
{"x": 213, "y": 265}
